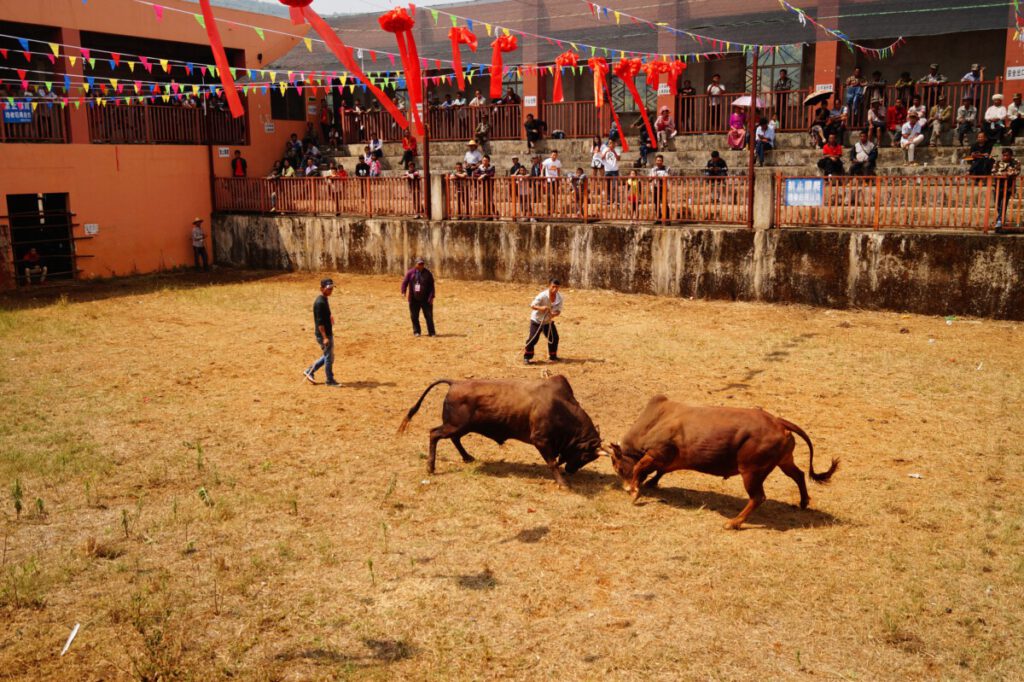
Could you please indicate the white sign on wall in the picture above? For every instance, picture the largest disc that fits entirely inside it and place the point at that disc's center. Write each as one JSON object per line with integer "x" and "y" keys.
{"x": 1014, "y": 73}
{"x": 820, "y": 87}
{"x": 664, "y": 89}
{"x": 269, "y": 127}
{"x": 530, "y": 101}
{"x": 92, "y": 228}
{"x": 223, "y": 152}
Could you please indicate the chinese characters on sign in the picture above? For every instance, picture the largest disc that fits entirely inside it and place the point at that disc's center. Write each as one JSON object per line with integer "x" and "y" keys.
{"x": 17, "y": 115}
{"x": 804, "y": 191}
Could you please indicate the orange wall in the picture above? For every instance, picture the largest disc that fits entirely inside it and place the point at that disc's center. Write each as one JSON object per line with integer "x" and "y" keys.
{"x": 144, "y": 198}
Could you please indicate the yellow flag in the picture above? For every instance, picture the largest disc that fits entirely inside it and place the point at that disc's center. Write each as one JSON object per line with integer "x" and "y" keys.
{"x": 131, "y": 66}
{"x": 113, "y": 81}
{"x": 283, "y": 87}
{"x": 34, "y": 105}
{"x": 273, "y": 76}
{"x": 72, "y": 59}
{"x": 488, "y": 26}
{"x": 309, "y": 44}
{"x": 55, "y": 48}
{"x": 618, "y": 18}
{"x": 166, "y": 64}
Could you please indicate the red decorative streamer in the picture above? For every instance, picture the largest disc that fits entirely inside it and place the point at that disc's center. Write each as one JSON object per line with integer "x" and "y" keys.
{"x": 219, "y": 56}
{"x": 502, "y": 44}
{"x": 599, "y": 65}
{"x": 628, "y": 70}
{"x": 460, "y": 35}
{"x": 399, "y": 22}
{"x": 675, "y": 72}
{"x": 568, "y": 58}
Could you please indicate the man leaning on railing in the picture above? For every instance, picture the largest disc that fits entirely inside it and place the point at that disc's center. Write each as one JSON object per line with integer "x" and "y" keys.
{"x": 1005, "y": 173}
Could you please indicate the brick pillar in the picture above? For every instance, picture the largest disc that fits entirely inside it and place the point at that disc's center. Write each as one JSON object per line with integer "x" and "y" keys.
{"x": 826, "y": 65}
{"x": 1013, "y": 69}
{"x": 78, "y": 119}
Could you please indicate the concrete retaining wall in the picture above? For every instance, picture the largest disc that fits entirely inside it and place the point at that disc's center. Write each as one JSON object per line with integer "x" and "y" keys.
{"x": 922, "y": 272}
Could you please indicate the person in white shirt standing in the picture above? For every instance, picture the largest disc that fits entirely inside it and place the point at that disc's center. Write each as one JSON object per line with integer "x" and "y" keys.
{"x": 911, "y": 136}
{"x": 546, "y": 306}
{"x": 199, "y": 244}
{"x": 552, "y": 169}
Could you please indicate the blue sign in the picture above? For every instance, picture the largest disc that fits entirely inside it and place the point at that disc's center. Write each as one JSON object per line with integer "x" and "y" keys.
{"x": 804, "y": 192}
{"x": 17, "y": 115}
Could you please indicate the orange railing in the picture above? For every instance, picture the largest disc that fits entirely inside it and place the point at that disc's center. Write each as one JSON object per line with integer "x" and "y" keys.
{"x": 335, "y": 196}
{"x": 673, "y": 199}
{"x": 459, "y": 123}
{"x": 365, "y": 125}
{"x": 939, "y": 201}
{"x": 155, "y": 124}
{"x": 577, "y": 119}
{"x": 48, "y": 123}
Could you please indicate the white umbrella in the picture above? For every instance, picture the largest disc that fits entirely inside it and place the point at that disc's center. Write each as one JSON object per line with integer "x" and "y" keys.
{"x": 745, "y": 102}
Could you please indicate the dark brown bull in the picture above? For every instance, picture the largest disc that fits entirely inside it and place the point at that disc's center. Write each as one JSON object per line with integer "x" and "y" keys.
{"x": 721, "y": 441}
{"x": 541, "y": 412}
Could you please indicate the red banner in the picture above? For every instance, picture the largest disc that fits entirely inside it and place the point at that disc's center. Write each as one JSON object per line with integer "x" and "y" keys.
{"x": 460, "y": 35}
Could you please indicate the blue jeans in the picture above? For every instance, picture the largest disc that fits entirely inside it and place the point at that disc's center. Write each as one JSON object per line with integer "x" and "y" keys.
{"x": 760, "y": 148}
{"x": 853, "y": 96}
{"x": 326, "y": 360}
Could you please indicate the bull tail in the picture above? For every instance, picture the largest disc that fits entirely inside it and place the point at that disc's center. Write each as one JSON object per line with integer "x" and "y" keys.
{"x": 416, "y": 408}
{"x": 816, "y": 477}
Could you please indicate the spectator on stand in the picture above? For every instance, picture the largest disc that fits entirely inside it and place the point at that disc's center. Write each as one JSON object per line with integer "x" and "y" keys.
{"x": 516, "y": 166}
{"x": 578, "y": 182}
{"x": 633, "y": 195}
{"x": 664, "y": 128}
{"x": 275, "y": 171}
{"x": 537, "y": 168}
{"x": 341, "y": 173}
{"x": 715, "y": 91}
{"x": 483, "y": 131}
{"x": 289, "y": 170}
{"x": 596, "y": 163}
{"x": 863, "y": 156}
{"x": 610, "y": 159}
{"x": 764, "y": 140}
{"x": 329, "y": 171}
{"x": 876, "y": 121}
{"x": 293, "y": 149}
{"x": 971, "y": 79}
{"x": 905, "y": 88}
{"x": 32, "y": 262}
{"x": 980, "y": 157}
{"x": 472, "y": 157}
{"x": 510, "y": 97}
{"x": 460, "y": 100}
{"x": 1006, "y": 171}
{"x": 644, "y": 146}
{"x": 966, "y": 119}
{"x": 996, "y": 119}
{"x": 874, "y": 91}
{"x": 737, "y": 135}
{"x": 917, "y": 108}
{"x": 461, "y": 190}
{"x": 931, "y": 85}
{"x": 478, "y": 100}
{"x": 239, "y": 167}
{"x": 831, "y": 161}
{"x": 838, "y": 117}
{"x": 716, "y": 166}
{"x": 325, "y": 120}
{"x": 686, "y": 110}
{"x": 484, "y": 174}
{"x": 1015, "y": 112}
{"x": 376, "y": 169}
{"x": 659, "y": 173}
{"x": 334, "y": 138}
{"x": 367, "y": 155}
{"x": 409, "y": 147}
{"x": 310, "y": 170}
{"x": 447, "y": 103}
{"x": 309, "y": 137}
{"x": 535, "y": 129}
{"x": 940, "y": 120}
{"x": 376, "y": 147}
{"x": 613, "y": 132}
{"x": 523, "y": 193}
{"x": 818, "y": 125}
{"x": 783, "y": 86}
{"x": 895, "y": 117}
{"x": 552, "y": 169}
{"x": 855, "y": 85}
{"x": 911, "y": 136}
{"x": 413, "y": 176}
{"x": 362, "y": 169}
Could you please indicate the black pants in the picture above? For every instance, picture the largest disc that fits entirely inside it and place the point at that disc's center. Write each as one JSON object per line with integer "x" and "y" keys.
{"x": 536, "y": 329}
{"x": 199, "y": 252}
{"x": 428, "y": 314}
{"x": 1004, "y": 192}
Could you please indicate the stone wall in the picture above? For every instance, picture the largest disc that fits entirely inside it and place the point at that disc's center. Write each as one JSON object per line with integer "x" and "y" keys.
{"x": 923, "y": 272}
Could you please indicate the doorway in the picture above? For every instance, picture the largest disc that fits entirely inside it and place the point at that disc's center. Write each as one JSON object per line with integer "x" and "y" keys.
{"x": 42, "y": 222}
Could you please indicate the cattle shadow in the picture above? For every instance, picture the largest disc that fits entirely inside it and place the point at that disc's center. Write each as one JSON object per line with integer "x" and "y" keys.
{"x": 772, "y": 514}
{"x": 587, "y": 482}
{"x": 571, "y": 361}
{"x": 778, "y": 354}
{"x": 380, "y": 651}
{"x": 450, "y": 335}
{"x": 367, "y": 384}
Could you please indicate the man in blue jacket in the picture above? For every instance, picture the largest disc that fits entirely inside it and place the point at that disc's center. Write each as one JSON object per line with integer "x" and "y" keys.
{"x": 418, "y": 289}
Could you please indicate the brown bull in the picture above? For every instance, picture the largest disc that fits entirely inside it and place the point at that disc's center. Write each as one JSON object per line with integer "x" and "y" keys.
{"x": 541, "y": 412}
{"x": 721, "y": 441}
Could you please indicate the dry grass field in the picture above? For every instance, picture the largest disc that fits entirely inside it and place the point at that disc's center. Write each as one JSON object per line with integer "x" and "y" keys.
{"x": 202, "y": 513}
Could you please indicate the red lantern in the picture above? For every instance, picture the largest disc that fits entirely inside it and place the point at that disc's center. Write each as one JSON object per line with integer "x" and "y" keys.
{"x": 570, "y": 59}
{"x": 628, "y": 70}
{"x": 460, "y": 35}
{"x": 502, "y": 44}
{"x": 399, "y": 22}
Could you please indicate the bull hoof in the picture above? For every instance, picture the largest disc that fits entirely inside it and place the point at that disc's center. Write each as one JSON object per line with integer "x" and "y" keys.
{"x": 653, "y": 483}
{"x": 636, "y": 497}
{"x": 805, "y": 503}
{"x": 733, "y": 525}
{"x": 430, "y": 470}
{"x": 468, "y": 459}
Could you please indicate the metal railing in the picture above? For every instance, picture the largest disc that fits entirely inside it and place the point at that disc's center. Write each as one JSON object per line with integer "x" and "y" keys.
{"x": 48, "y": 122}
{"x": 577, "y": 119}
{"x": 313, "y": 196}
{"x": 642, "y": 199}
{"x": 156, "y": 124}
{"x": 459, "y": 123}
{"x": 939, "y": 201}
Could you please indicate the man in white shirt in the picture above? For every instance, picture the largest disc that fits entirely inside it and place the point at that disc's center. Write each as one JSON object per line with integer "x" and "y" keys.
{"x": 552, "y": 168}
{"x": 198, "y": 245}
{"x": 460, "y": 100}
{"x": 610, "y": 161}
{"x": 764, "y": 139}
{"x": 472, "y": 157}
{"x": 911, "y": 136}
{"x": 972, "y": 78}
{"x": 658, "y": 171}
{"x": 546, "y": 306}
{"x": 715, "y": 91}
{"x": 996, "y": 119}
{"x": 1015, "y": 112}
{"x": 863, "y": 156}
{"x": 478, "y": 100}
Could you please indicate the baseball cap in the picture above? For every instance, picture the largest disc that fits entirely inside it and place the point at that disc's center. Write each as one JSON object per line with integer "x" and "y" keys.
{"x": 197, "y": 220}
{"x": 420, "y": 260}
{"x": 324, "y": 283}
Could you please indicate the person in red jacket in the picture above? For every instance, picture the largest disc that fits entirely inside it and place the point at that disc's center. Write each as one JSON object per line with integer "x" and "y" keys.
{"x": 238, "y": 165}
{"x": 409, "y": 145}
{"x": 895, "y": 117}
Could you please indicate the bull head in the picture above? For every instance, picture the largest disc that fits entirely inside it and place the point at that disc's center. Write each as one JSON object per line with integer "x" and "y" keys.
{"x": 622, "y": 464}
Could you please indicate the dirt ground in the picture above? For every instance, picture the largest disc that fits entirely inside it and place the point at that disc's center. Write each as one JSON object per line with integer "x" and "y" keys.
{"x": 203, "y": 513}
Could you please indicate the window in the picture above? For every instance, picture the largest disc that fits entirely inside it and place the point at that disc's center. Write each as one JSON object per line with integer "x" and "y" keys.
{"x": 291, "y": 106}
{"x": 42, "y": 222}
{"x": 623, "y": 101}
{"x": 788, "y": 57}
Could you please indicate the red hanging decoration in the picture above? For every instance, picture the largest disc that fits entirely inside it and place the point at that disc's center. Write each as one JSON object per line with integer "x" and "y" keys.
{"x": 301, "y": 12}
{"x": 654, "y": 70}
{"x": 460, "y": 35}
{"x": 675, "y": 72}
{"x": 399, "y": 22}
{"x": 221, "y": 58}
{"x": 628, "y": 70}
{"x": 567, "y": 58}
{"x": 599, "y": 65}
{"x": 502, "y": 44}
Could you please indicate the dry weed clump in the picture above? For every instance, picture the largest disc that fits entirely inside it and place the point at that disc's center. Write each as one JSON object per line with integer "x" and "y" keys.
{"x": 203, "y": 513}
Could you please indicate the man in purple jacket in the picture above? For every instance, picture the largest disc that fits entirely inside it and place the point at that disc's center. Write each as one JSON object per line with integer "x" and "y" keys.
{"x": 418, "y": 289}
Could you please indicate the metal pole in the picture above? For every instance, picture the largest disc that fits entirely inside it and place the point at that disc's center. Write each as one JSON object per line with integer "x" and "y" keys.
{"x": 426, "y": 165}
{"x": 751, "y": 128}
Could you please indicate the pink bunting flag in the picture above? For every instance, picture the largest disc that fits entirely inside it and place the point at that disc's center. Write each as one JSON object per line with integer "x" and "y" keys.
{"x": 159, "y": 12}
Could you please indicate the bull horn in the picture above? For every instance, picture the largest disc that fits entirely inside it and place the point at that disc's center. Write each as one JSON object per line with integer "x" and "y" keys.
{"x": 605, "y": 450}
